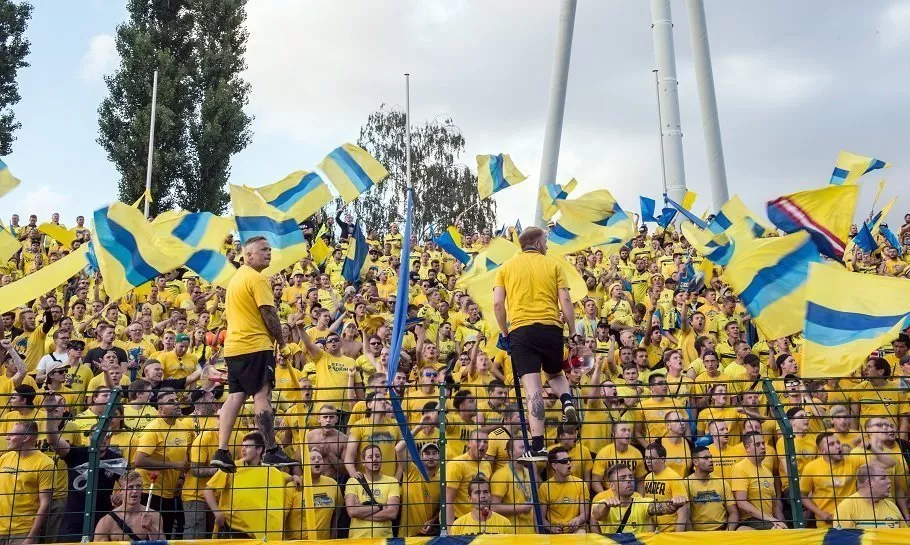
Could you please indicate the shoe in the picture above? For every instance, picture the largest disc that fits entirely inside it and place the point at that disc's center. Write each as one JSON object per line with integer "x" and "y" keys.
{"x": 277, "y": 458}
{"x": 223, "y": 461}
{"x": 569, "y": 414}
{"x": 534, "y": 456}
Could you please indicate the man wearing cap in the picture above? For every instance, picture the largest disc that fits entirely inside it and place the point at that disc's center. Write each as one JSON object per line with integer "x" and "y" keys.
{"x": 420, "y": 498}
{"x": 249, "y": 351}
{"x": 179, "y": 363}
{"x": 530, "y": 291}
{"x": 61, "y": 340}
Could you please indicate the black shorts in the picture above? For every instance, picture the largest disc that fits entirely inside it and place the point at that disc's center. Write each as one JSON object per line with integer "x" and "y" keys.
{"x": 536, "y": 347}
{"x": 248, "y": 373}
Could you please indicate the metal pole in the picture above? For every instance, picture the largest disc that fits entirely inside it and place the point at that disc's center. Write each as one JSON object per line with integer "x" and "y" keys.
{"x": 660, "y": 134}
{"x": 710, "y": 122}
{"x": 558, "y": 84}
{"x": 407, "y": 133}
{"x": 671, "y": 131}
{"x": 148, "y": 168}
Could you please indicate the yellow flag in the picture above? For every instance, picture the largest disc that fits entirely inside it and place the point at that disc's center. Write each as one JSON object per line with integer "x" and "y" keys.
{"x": 58, "y": 233}
{"x": 44, "y": 280}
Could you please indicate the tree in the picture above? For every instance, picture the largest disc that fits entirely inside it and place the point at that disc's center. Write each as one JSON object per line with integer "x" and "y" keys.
{"x": 14, "y": 48}
{"x": 444, "y": 190}
{"x": 158, "y": 36}
{"x": 220, "y": 128}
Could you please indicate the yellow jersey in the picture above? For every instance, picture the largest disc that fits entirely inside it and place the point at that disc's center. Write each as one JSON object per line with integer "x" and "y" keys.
{"x": 469, "y": 526}
{"x": 858, "y": 512}
{"x": 708, "y": 501}
{"x": 563, "y": 499}
{"x": 246, "y": 332}
{"x": 532, "y": 282}
{"x": 383, "y": 490}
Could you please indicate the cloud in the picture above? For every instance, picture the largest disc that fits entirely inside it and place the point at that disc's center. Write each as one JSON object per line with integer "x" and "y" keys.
{"x": 895, "y": 26}
{"x": 41, "y": 201}
{"x": 100, "y": 59}
{"x": 763, "y": 81}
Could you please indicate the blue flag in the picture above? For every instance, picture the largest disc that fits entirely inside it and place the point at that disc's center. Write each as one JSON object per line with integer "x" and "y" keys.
{"x": 356, "y": 256}
{"x": 864, "y": 239}
{"x": 666, "y": 217}
{"x": 648, "y": 206}
{"x": 450, "y": 241}
{"x": 688, "y": 215}
{"x": 892, "y": 239}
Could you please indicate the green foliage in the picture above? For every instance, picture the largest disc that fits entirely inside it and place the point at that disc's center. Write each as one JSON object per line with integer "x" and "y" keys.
{"x": 197, "y": 48}
{"x": 14, "y": 48}
{"x": 444, "y": 190}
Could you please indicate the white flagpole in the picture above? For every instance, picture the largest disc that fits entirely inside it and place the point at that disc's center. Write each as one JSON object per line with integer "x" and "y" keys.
{"x": 148, "y": 168}
{"x": 407, "y": 118}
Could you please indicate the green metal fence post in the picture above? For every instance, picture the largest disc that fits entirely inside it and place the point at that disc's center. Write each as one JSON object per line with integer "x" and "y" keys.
{"x": 779, "y": 414}
{"x": 443, "y": 525}
{"x": 94, "y": 457}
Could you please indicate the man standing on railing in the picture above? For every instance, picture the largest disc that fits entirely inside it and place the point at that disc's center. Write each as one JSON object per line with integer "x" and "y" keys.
{"x": 249, "y": 350}
{"x": 530, "y": 291}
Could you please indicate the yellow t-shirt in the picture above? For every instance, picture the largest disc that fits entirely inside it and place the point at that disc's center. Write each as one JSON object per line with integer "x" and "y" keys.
{"x": 513, "y": 486}
{"x": 383, "y": 489}
{"x": 827, "y": 484}
{"x": 419, "y": 501}
{"x": 532, "y": 282}
{"x": 679, "y": 456}
{"x": 32, "y": 345}
{"x": 178, "y": 366}
{"x": 469, "y": 526}
{"x": 608, "y": 456}
{"x": 253, "y": 499}
{"x": 163, "y": 441}
{"x": 563, "y": 499}
{"x": 757, "y": 483}
{"x": 22, "y": 476}
{"x": 385, "y": 436}
{"x": 246, "y": 333}
{"x": 459, "y": 472}
{"x": 708, "y": 501}
{"x": 331, "y": 380}
{"x": 639, "y": 520}
{"x": 662, "y": 487}
{"x": 137, "y": 417}
{"x": 326, "y": 498}
{"x": 858, "y": 512}
{"x": 201, "y": 452}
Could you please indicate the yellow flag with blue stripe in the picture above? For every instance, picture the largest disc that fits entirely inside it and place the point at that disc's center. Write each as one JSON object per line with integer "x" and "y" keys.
{"x": 128, "y": 250}
{"x": 495, "y": 173}
{"x": 769, "y": 275}
{"x": 551, "y": 194}
{"x": 721, "y": 247}
{"x": 594, "y": 219}
{"x": 850, "y": 166}
{"x": 733, "y": 212}
{"x": 848, "y": 316}
{"x": 8, "y": 182}
{"x": 255, "y": 217}
{"x": 205, "y": 233}
{"x": 352, "y": 170}
{"x": 300, "y": 194}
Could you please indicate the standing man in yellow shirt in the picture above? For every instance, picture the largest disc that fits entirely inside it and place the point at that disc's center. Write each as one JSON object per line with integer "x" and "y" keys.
{"x": 27, "y": 485}
{"x": 529, "y": 293}
{"x": 753, "y": 488}
{"x": 249, "y": 351}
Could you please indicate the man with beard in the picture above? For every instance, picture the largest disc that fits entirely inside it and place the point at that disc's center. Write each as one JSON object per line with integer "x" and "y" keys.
{"x": 481, "y": 519}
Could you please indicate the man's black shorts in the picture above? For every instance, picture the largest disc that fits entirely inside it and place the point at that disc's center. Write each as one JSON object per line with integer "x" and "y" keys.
{"x": 248, "y": 373}
{"x": 536, "y": 347}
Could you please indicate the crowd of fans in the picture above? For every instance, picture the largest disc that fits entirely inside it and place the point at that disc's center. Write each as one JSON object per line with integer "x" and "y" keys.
{"x": 678, "y": 429}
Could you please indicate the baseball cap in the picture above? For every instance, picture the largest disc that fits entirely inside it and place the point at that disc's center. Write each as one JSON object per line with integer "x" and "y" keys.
{"x": 75, "y": 344}
{"x": 55, "y": 365}
{"x": 429, "y": 446}
{"x": 182, "y": 337}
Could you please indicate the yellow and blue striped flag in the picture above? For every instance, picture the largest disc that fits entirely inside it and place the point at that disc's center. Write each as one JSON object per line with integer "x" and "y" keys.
{"x": 450, "y": 242}
{"x": 255, "y": 217}
{"x": 550, "y": 194}
{"x": 8, "y": 182}
{"x": 129, "y": 252}
{"x": 864, "y": 239}
{"x": 205, "y": 233}
{"x": 848, "y": 316}
{"x": 850, "y": 166}
{"x": 695, "y": 220}
{"x": 769, "y": 275}
{"x": 721, "y": 248}
{"x": 825, "y": 213}
{"x": 594, "y": 219}
{"x": 356, "y": 257}
{"x": 891, "y": 239}
{"x": 352, "y": 170}
{"x": 300, "y": 194}
{"x": 731, "y": 213}
{"x": 495, "y": 173}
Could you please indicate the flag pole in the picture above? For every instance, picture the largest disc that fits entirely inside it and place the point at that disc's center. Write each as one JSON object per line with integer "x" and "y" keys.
{"x": 660, "y": 134}
{"x": 148, "y": 168}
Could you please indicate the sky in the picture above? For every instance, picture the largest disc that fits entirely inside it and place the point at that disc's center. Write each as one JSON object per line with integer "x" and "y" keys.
{"x": 796, "y": 82}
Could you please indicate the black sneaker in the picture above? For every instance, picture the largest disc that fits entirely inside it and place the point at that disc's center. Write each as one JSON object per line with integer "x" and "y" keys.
{"x": 277, "y": 458}
{"x": 223, "y": 461}
{"x": 534, "y": 456}
{"x": 569, "y": 414}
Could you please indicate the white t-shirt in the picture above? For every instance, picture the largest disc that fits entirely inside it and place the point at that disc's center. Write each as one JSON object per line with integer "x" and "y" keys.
{"x": 49, "y": 359}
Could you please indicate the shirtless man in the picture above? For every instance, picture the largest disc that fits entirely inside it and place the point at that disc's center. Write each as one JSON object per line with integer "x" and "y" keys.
{"x": 129, "y": 521}
{"x": 328, "y": 441}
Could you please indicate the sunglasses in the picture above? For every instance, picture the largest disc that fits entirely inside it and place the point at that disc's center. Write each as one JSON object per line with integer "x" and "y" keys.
{"x": 332, "y": 340}
{"x": 375, "y": 344}
{"x": 562, "y": 461}
{"x": 430, "y": 374}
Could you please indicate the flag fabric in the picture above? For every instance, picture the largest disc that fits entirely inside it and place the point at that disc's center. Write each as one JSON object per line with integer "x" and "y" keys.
{"x": 198, "y": 229}
{"x": 9, "y": 245}
{"x": 8, "y": 182}
{"x": 58, "y": 233}
{"x": 732, "y": 212}
{"x": 550, "y": 194}
{"x": 825, "y": 213}
{"x": 356, "y": 256}
{"x": 720, "y": 248}
{"x": 450, "y": 241}
{"x": 689, "y": 200}
{"x": 892, "y": 239}
{"x": 516, "y": 232}
{"x": 40, "y": 282}
{"x": 880, "y": 216}
{"x": 594, "y": 219}
{"x": 648, "y": 206}
{"x": 495, "y": 173}
{"x": 352, "y": 170}
{"x": 300, "y": 194}
{"x": 864, "y": 239}
{"x": 850, "y": 166}
{"x": 147, "y": 195}
{"x": 666, "y": 217}
{"x": 848, "y": 316}
{"x": 255, "y": 217}
{"x": 769, "y": 275}
{"x": 695, "y": 220}
{"x": 129, "y": 253}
